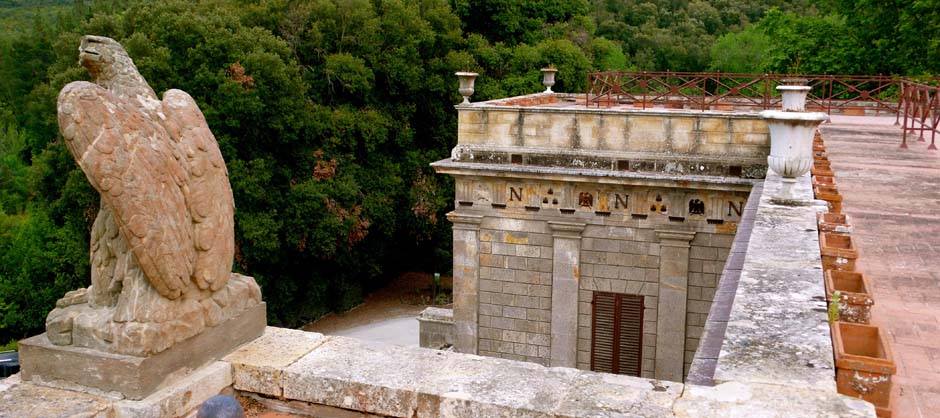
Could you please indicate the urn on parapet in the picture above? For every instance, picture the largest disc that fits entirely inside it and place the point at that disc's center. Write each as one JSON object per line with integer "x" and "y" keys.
{"x": 467, "y": 79}
{"x": 794, "y": 97}
{"x": 548, "y": 78}
{"x": 791, "y": 143}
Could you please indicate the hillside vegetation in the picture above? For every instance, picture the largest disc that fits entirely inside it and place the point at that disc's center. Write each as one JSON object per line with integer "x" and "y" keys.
{"x": 328, "y": 113}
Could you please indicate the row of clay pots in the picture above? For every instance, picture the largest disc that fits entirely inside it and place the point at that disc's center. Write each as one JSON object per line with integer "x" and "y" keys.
{"x": 824, "y": 185}
{"x": 863, "y": 359}
{"x": 534, "y": 100}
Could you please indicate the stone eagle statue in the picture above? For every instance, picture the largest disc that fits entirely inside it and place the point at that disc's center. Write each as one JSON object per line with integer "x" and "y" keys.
{"x": 162, "y": 244}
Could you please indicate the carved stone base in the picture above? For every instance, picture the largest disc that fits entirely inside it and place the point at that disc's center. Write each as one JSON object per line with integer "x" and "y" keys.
{"x": 136, "y": 377}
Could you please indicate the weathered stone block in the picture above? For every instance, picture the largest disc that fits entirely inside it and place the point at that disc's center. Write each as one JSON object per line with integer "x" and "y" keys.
{"x": 181, "y": 397}
{"x": 257, "y": 365}
{"x": 27, "y": 400}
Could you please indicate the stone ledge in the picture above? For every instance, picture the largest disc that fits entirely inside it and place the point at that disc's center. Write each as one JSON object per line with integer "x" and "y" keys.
{"x": 437, "y": 315}
{"x": 702, "y": 369}
{"x": 405, "y": 381}
{"x": 577, "y": 175}
{"x": 258, "y": 366}
{"x": 350, "y": 375}
{"x": 777, "y": 331}
{"x": 735, "y": 399}
{"x": 26, "y": 400}
{"x": 344, "y": 377}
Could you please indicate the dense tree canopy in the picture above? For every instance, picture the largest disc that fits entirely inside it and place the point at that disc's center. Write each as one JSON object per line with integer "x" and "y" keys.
{"x": 328, "y": 112}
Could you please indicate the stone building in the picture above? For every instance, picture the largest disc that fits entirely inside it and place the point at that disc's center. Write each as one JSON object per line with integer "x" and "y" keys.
{"x": 594, "y": 237}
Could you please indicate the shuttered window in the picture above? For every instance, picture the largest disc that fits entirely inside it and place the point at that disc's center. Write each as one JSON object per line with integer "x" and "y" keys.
{"x": 617, "y": 333}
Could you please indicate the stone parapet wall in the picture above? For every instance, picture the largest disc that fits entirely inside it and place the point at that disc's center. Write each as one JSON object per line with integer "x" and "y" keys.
{"x": 336, "y": 377}
{"x": 351, "y": 376}
{"x": 776, "y": 331}
{"x": 493, "y": 133}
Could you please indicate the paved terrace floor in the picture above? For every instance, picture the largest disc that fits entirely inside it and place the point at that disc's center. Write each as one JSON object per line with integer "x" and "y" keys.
{"x": 893, "y": 198}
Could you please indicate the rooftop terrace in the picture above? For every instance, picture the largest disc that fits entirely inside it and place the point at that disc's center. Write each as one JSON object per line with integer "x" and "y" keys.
{"x": 766, "y": 350}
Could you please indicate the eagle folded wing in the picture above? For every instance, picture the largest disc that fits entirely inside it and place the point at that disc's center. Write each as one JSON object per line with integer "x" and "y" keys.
{"x": 129, "y": 160}
{"x": 209, "y": 194}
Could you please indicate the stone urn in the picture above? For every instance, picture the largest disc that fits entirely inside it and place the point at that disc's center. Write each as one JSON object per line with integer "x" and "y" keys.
{"x": 794, "y": 81}
{"x": 791, "y": 143}
{"x": 467, "y": 79}
{"x": 794, "y": 97}
{"x": 548, "y": 78}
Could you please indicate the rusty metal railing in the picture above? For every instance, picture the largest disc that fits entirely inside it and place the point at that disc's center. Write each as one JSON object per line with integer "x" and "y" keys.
{"x": 920, "y": 109}
{"x": 725, "y": 91}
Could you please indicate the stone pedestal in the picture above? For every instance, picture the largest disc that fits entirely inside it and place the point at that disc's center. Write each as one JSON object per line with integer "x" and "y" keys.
{"x": 466, "y": 280}
{"x": 131, "y": 376}
{"x": 673, "y": 296}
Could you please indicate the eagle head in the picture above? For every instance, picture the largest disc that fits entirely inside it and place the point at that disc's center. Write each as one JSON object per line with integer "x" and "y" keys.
{"x": 111, "y": 67}
{"x": 98, "y": 54}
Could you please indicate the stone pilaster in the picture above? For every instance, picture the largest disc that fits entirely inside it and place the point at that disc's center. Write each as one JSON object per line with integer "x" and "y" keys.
{"x": 673, "y": 295}
{"x": 566, "y": 264}
{"x": 466, "y": 280}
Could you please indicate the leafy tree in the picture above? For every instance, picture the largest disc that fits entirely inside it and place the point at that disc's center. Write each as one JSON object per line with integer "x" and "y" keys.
{"x": 746, "y": 52}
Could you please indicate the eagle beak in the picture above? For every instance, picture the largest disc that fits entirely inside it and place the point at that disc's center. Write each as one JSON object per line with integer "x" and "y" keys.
{"x": 88, "y": 50}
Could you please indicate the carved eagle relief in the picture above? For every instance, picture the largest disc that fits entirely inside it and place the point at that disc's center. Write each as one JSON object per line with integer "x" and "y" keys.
{"x": 157, "y": 167}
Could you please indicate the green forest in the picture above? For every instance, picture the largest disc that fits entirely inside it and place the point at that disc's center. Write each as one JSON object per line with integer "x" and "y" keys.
{"x": 328, "y": 113}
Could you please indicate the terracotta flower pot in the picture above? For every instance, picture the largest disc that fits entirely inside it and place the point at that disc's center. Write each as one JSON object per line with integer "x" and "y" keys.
{"x": 547, "y": 98}
{"x": 854, "y": 111}
{"x": 833, "y": 222}
{"x": 864, "y": 364}
{"x": 819, "y": 170}
{"x": 855, "y": 299}
{"x": 831, "y": 195}
{"x": 838, "y": 251}
{"x": 828, "y": 181}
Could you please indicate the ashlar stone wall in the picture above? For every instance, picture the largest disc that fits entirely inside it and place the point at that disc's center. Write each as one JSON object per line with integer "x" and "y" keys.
{"x": 529, "y": 255}
{"x": 626, "y": 260}
{"x": 515, "y": 289}
{"x": 619, "y": 260}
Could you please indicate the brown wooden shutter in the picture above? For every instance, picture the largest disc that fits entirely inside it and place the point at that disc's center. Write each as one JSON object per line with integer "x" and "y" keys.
{"x": 617, "y": 333}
